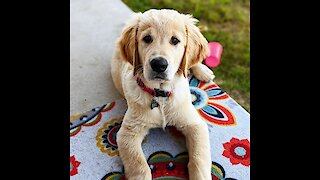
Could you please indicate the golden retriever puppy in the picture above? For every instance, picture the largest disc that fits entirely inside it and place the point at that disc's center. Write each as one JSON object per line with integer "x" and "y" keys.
{"x": 150, "y": 66}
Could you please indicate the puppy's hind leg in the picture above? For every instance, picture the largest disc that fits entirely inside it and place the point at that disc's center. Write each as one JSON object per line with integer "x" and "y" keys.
{"x": 202, "y": 72}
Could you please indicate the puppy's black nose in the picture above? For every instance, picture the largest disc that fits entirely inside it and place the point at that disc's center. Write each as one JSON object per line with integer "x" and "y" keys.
{"x": 159, "y": 64}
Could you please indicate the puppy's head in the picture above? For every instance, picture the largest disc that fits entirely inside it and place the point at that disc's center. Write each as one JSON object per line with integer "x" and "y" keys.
{"x": 160, "y": 44}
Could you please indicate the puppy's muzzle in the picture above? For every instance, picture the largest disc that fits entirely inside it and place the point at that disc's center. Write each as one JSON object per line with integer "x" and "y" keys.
{"x": 159, "y": 64}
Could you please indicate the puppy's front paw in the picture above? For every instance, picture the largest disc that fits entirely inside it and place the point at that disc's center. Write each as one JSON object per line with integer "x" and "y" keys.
{"x": 202, "y": 73}
{"x": 139, "y": 174}
{"x": 139, "y": 177}
{"x": 199, "y": 171}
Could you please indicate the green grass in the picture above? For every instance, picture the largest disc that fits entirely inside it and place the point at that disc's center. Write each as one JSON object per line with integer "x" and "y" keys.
{"x": 224, "y": 21}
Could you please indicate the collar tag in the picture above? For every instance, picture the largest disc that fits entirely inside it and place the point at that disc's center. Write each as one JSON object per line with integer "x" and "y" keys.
{"x": 154, "y": 104}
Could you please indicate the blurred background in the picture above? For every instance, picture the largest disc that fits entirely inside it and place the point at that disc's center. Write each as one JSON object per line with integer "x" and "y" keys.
{"x": 224, "y": 21}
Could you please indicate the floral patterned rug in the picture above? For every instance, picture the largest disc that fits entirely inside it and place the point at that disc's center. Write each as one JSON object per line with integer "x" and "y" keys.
{"x": 93, "y": 146}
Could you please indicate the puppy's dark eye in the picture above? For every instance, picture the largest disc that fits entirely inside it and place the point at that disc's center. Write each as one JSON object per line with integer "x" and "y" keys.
{"x": 147, "y": 39}
{"x": 174, "y": 40}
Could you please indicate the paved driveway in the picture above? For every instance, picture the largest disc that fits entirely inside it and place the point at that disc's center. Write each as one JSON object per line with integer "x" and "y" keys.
{"x": 95, "y": 25}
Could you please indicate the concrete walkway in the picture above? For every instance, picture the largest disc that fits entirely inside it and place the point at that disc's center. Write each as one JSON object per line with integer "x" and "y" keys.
{"x": 95, "y": 25}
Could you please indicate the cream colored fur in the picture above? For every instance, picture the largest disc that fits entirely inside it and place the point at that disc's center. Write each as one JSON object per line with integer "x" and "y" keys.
{"x": 132, "y": 59}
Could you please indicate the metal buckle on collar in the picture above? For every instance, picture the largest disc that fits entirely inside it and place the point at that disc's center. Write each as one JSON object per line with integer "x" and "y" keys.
{"x": 159, "y": 92}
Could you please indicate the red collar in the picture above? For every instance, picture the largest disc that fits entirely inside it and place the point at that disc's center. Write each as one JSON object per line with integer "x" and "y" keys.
{"x": 154, "y": 92}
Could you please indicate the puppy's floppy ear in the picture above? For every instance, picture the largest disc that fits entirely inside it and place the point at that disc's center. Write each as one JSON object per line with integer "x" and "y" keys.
{"x": 128, "y": 43}
{"x": 196, "y": 49}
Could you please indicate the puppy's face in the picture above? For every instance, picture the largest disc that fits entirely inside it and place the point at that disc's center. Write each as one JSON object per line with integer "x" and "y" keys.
{"x": 161, "y": 44}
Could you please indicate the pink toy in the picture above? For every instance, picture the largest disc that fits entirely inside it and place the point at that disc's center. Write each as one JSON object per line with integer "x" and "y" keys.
{"x": 213, "y": 60}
